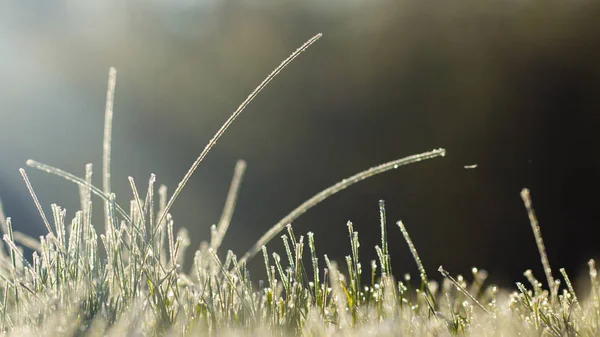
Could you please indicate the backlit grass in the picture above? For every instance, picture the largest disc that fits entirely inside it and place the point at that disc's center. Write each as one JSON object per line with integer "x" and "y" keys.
{"x": 128, "y": 279}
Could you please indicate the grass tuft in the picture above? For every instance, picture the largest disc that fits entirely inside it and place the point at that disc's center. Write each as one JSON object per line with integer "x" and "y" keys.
{"x": 129, "y": 279}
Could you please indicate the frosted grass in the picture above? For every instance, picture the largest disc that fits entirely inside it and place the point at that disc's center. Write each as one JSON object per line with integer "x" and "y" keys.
{"x": 129, "y": 279}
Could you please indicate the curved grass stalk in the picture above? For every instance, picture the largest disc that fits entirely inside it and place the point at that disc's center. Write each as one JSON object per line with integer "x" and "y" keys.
{"x": 230, "y": 120}
{"x": 317, "y": 198}
{"x": 75, "y": 179}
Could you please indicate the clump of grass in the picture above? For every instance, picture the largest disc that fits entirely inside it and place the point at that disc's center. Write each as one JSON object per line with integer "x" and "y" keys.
{"x": 129, "y": 279}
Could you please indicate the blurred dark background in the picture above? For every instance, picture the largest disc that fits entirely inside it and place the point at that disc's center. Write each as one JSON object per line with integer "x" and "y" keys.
{"x": 512, "y": 86}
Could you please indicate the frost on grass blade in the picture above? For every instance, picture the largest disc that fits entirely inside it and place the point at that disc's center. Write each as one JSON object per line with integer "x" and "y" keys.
{"x": 414, "y": 253}
{"x": 230, "y": 120}
{"x": 74, "y": 179}
{"x": 134, "y": 285}
{"x": 35, "y": 200}
{"x": 462, "y": 289}
{"x": 326, "y": 193}
{"x": 525, "y": 195}
{"x": 106, "y": 144}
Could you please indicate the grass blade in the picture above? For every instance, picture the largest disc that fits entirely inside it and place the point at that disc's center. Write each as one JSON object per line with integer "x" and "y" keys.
{"x": 106, "y": 144}
{"x": 230, "y": 120}
{"x": 326, "y": 193}
{"x": 74, "y": 179}
{"x": 234, "y": 188}
{"x": 525, "y": 195}
{"x": 35, "y": 200}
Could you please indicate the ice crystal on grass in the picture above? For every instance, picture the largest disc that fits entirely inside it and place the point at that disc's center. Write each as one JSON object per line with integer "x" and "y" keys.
{"x": 129, "y": 280}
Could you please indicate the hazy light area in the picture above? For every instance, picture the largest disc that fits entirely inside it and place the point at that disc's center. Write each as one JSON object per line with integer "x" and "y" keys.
{"x": 509, "y": 88}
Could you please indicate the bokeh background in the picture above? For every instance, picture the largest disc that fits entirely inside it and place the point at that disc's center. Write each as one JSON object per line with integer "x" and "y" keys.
{"x": 512, "y": 86}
